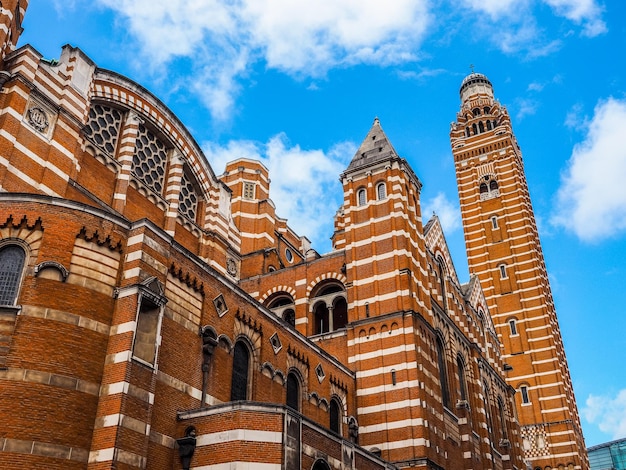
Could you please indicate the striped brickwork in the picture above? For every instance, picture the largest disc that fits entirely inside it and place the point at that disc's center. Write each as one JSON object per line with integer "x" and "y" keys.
{"x": 504, "y": 252}
{"x": 387, "y": 265}
{"x": 145, "y": 277}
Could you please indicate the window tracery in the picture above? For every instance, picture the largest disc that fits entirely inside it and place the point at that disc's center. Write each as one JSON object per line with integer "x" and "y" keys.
{"x": 149, "y": 160}
{"x": 103, "y": 127}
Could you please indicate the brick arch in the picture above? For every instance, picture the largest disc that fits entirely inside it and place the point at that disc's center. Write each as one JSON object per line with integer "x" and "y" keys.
{"x": 251, "y": 337}
{"x": 324, "y": 277}
{"x": 119, "y": 90}
{"x": 282, "y": 288}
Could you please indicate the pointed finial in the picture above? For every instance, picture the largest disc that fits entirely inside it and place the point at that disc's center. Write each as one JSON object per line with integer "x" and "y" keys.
{"x": 376, "y": 120}
{"x": 472, "y": 67}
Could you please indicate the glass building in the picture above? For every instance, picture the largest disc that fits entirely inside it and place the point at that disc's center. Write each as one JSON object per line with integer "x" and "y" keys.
{"x": 608, "y": 456}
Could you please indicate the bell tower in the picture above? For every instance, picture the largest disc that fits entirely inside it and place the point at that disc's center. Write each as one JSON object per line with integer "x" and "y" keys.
{"x": 504, "y": 251}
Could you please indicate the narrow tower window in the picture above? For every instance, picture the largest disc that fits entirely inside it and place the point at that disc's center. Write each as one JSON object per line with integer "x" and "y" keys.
{"x": 502, "y": 417}
{"x": 460, "y": 368}
{"x": 335, "y": 416}
{"x": 381, "y": 191}
{"x": 443, "y": 376}
{"x": 524, "y": 391}
{"x": 11, "y": 265}
{"x": 481, "y": 127}
{"x": 503, "y": 274}
{"x": 513, "y": 327}
{"x": 361, "y": 197}
{"x": 494, "y": 221}
{"x": 241, "y": 366}
{"x": 293, "y": 391}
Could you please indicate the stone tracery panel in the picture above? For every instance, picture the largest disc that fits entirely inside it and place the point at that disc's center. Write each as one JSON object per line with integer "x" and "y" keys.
{"x": 149, "y": 160}
{"x": 103, "y": 127}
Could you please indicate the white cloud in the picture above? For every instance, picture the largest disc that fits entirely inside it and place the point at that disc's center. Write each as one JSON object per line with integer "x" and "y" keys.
{"x": 224, "y": 39}
{"x": 219, "y": 42}
{"x": 495, "y": 8}
{"x": 512, "y": 25}
{"x": 591, "y": 199}
{"x": 586, "y": 12}
{"x": 448, "y": 212}
{"x": 608, "y": 412}
{"x": 305, "y": 183}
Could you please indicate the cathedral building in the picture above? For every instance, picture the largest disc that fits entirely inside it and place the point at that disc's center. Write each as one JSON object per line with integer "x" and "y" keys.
{"x": 156, "y": 315}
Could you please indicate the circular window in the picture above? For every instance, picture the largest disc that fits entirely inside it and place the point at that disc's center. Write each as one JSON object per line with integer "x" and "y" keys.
{"x": 289, "y": 255}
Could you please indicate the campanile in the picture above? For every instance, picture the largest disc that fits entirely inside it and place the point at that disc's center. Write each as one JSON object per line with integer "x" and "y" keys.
{"x": 504, "y": 251}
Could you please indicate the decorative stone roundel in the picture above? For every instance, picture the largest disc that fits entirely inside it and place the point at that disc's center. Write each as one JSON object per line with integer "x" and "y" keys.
{"x": 38, "y": 118}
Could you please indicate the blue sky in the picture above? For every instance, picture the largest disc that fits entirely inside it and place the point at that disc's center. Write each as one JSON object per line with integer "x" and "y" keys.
{"x": 297, "y": 85}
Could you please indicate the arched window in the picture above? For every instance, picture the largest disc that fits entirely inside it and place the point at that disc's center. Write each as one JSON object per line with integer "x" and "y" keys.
{"x": 483, "y": 188}
{"x": 282, "y": 304}
{"x": 12, "y": 259}
{"x": 460, "y": 368}
{"x": 335, "y": 416}
{"x": 290, "y": 317}
{"x": 442, "y": 279}
{"x": 481, "y": 127}
{"x": 493, "y": 185}
{"x": 320, "y": 465}
{"x": 241, "y": 366}
{"x": 503, "y": 274}
{"x": 524, "y": 392}
{"x": 489, "y": 127}
{"x": 488, "y": 411}
{"x": 467, "y": 132}
{"x": 320, "y": 317}
{"x": 475, "y": 129}
{"x": 381, "y": 191}
{"x": 293, "y": 391}
{"x": 502, "y": 417}
{"x": 330, "y": 309}
{"x": 361, "y": 197}
{"x": 486, "y": 110}
{"x": 443, "y": 377}
{"x": 476, "y": 112}
{"x": 340, "y": 313}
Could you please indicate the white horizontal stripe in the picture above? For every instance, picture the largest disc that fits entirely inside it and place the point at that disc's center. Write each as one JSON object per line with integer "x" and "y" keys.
{"x": 383, "y": 388}
{"x": 389, "y": 406}
{"x": 233, "y": 435}
{"x": 240, "y": 466}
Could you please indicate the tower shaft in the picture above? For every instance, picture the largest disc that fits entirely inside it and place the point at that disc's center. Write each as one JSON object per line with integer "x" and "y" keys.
{"x": 504, "y": 251}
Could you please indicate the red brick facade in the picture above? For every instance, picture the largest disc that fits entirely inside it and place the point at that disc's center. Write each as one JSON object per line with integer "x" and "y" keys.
{"x": 151, "y": 305}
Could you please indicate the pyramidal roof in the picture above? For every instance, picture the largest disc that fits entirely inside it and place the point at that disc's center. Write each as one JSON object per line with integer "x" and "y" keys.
{"x": 376, "y": 147}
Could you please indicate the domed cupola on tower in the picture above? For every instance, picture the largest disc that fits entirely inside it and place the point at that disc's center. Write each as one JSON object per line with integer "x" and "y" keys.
{"x": 475, "y": 84}
{"x": 481, "y": 116}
